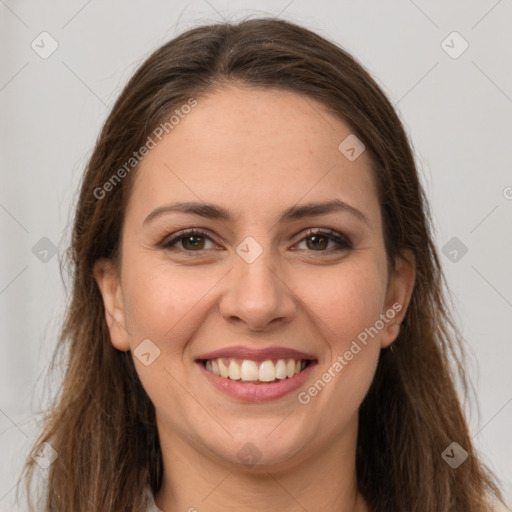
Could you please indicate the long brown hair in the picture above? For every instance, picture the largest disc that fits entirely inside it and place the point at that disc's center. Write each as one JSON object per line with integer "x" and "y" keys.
{"x": 102, "y": 424}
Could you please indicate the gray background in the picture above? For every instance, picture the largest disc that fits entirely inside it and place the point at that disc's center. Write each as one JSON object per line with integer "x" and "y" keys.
{"x": 457, "y": 111}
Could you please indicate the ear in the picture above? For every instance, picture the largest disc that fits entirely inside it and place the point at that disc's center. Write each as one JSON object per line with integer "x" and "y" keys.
{"x": 107, "y": 277}
{"x": 398, "y": 295}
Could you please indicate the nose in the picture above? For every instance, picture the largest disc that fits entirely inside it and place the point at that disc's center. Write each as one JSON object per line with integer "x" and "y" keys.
{"x": 257, "y": 294}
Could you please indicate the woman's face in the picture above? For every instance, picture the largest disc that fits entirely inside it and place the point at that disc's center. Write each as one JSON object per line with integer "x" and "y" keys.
{"x": 254, "y": 286}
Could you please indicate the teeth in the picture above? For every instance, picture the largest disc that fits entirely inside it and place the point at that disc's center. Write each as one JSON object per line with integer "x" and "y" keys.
{"x": 234, "y": 371}
{"x": 251, "y": 371}
{"x": 281, "y": 369}
{"x": 267, "y": 371}
{"x": 290, "y": 368}
{"x": 224, "y": 372}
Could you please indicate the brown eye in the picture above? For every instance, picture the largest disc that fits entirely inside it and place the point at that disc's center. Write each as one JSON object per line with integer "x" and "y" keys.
{"x": 191, "y": 241}
{"x": 318, "y": 241}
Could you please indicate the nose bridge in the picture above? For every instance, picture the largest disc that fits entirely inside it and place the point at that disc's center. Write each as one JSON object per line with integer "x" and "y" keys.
{"x": 256, "y": 271}
{"x": 257, "y": 293}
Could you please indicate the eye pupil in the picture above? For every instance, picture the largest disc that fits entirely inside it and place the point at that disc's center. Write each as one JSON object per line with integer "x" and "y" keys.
{"x": 315, "y": 239}
{"x": 197, "y": 239}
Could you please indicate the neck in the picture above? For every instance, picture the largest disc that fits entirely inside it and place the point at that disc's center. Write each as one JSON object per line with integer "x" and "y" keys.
{"x": 196, "y": 481}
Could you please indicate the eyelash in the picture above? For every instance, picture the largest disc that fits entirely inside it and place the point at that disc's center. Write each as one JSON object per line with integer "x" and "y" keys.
{"x": 343, "y": 242}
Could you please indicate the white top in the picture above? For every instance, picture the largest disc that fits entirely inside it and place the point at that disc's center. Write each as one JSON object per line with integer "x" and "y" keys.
{"x": 152, "y": 505}
{"x": 153, "y": 508}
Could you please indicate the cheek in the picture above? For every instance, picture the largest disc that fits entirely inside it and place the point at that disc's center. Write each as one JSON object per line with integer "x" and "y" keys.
{"x": 162, "y": 304}
{"x": 347, "y": 304}
{"x": 352, "y": 352}
{"x": 346, "y": 301}
{"x": 161, "y": 300}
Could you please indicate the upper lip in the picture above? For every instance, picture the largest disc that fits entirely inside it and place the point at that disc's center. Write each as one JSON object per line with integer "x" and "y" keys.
{"x": 255, "y": 354}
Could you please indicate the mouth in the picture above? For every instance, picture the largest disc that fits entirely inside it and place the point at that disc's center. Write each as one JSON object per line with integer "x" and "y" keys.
{"x": 256, "y": 375}
{"x": 256, "y": 372}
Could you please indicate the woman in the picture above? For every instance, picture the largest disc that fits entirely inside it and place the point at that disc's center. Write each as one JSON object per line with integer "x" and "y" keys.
{"x": 258, "y": 318}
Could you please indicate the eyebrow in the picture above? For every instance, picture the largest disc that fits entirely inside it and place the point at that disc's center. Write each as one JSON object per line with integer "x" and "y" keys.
{"x": 296, "y": 212}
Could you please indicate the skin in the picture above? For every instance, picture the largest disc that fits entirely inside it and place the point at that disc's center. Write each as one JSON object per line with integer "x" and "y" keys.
{"x": 254, "y": 152}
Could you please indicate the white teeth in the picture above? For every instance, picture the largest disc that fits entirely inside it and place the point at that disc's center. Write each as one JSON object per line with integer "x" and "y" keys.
{"x": 281, "y": 369}
{"x": 267, "y": 371}
{"x": 234, "y": 370}
{"x": 224, "y": 372}
{"x": 251, "y": 371}
{"x": 290, "y": 368}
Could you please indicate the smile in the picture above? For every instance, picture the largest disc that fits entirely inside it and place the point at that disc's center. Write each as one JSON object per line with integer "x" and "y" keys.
{"x": 257, "y": 390}
{"x": 247, "y": 370}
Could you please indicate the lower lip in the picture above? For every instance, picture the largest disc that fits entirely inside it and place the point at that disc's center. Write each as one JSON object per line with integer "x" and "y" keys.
{"x": 249, "y": 392}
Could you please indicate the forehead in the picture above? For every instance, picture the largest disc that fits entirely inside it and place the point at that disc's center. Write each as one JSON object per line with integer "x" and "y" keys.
{"x": 255, "y": 151}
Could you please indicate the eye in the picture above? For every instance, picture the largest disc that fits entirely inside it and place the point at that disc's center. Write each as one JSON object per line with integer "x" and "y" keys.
{"x": 194, "y": 240}
{"x": 320, "y": 239}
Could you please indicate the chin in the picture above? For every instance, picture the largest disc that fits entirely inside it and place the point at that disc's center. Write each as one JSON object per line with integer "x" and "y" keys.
{"x": 258, "y": 454}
